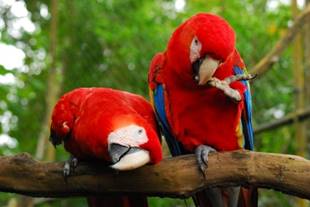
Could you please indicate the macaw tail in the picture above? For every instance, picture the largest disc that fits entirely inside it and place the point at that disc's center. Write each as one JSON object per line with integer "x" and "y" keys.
{"x": 224, "y": 197}
{"x": 117, "y": 201}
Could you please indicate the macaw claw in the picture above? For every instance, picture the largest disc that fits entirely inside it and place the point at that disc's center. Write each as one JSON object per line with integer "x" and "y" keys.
{"x": 202, "y": 155}
{"x": 224, "y": 84}
{"x": 69, "y": 166}
{"x": 238, "y": 77}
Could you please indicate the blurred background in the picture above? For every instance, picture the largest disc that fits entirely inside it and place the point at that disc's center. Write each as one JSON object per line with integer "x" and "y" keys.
{"x": 49, "y": 47}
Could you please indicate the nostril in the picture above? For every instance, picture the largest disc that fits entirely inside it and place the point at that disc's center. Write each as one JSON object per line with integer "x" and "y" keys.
{"x": 117, "y": 151}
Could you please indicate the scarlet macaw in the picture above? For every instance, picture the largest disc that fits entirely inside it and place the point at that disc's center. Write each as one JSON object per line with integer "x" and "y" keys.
{"x": 194, "y": 116}
{"x": 109, "y": 125}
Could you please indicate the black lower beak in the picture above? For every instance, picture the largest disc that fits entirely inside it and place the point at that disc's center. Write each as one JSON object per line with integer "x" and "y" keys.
{"x": 117, "y": 151}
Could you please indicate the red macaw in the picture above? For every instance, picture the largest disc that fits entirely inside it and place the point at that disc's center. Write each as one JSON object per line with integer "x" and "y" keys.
{"x": 194, "y": 116}
{"x": 113, "y": 126}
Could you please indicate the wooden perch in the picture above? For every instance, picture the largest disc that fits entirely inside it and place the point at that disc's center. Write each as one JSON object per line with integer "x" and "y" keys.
{"x": 174, "y": 177}
{"x": 273, "y": 56}
{"x": 289, "y": 119}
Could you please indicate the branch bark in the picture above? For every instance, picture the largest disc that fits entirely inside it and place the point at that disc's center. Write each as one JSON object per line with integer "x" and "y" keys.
{"x": 265, "y": 63}
{"x": 173, "y": 177}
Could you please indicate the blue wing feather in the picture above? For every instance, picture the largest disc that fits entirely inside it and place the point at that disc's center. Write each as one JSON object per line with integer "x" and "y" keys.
{"x": 175, "y": 146}
{"x": 246, "y": 117}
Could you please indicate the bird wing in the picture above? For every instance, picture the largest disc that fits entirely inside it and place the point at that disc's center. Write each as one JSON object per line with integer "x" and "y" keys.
{"x": 246, "y": 116}
{"x": 157, "y": 98}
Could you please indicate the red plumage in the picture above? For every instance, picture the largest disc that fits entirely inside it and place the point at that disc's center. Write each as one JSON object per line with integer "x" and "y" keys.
{"x": 199, "y": 114}
{"x": 92, "y": 113}
{"x": 216, "y": 117}
{"x": 85, "y": 118}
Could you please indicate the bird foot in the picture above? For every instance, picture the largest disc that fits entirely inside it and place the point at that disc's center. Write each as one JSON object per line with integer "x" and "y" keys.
{"x": 69, "y": 166}
{"x": 224, "y": 85}
{"x": 238, "y": 77}
{"x": 202, "y": 155}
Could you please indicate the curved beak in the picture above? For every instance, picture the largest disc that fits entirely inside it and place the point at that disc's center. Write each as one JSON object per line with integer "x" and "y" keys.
{"x": 127, "y": 158}
{"x": 204, "y": 69}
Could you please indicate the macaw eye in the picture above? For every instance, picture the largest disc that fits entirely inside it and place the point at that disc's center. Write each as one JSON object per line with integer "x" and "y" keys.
{"x": 140, "y": 131}
{"x": 195, "y": 49}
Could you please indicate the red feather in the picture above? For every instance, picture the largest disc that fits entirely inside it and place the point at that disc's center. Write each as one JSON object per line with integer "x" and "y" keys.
{"x": 156, "y": 66}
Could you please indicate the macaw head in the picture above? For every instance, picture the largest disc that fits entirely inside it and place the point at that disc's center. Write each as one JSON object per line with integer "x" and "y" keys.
{"x": 132, "y": 143}
{"x": 200, "y": 48}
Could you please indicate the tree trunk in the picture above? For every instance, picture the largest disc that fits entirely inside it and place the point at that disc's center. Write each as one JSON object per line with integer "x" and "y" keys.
{"x": 53, "y": 88}
{"x": 307, "y": 75}
{"x": 45, "y": 150}
{"x": 299, "y": 83}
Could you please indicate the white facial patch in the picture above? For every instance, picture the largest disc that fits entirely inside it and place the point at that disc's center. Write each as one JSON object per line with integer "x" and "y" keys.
{"x": 131, "y": 135}
{"x": 195, "y": 49}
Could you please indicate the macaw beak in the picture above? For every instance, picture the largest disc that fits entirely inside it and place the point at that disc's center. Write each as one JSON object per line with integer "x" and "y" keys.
{"x": 204, "y": 69}
{"x": 54, "y": 139}
{"x": 127, "y": 158}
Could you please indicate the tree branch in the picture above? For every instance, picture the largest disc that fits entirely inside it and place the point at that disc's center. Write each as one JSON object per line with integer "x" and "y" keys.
{"x": 299, "y": 115}
{"x": 174, "y": 177}
{"x": 265, "y": 63}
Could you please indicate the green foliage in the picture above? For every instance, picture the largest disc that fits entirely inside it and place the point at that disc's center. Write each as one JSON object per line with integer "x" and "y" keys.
{"x": 110, "y": 43}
